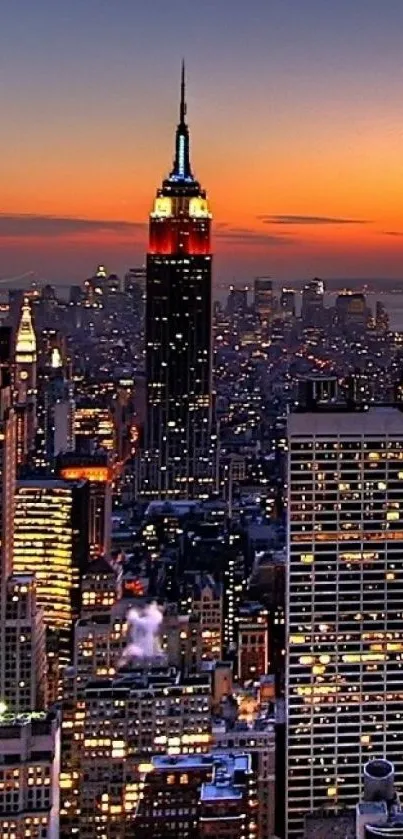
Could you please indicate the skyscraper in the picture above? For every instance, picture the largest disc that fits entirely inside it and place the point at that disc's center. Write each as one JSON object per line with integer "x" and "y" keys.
{"x": 25, "y": 381}
{"x": 51, "y": 541}
{"x": 345, "y": 590}
{"x": 177, "y": 461}
{"x": 264, "y": 299}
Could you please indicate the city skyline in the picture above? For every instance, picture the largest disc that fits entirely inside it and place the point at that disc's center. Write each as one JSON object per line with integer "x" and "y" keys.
{"x": 298, "y": 104}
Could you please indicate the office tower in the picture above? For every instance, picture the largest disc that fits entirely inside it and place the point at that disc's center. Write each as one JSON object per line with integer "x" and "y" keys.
{"x": 51, "y": 541}
{"x": 22, "y": 652}
{"x": 29, "y": 775}
{"x": 23, "y": 670}
{"x": 344, "y": 612}
{"x": 7, "y": 458}
{"x": 94, "y": 289}
{"x": 177, "y": 461}
{"x": 94, "y": 427}
{"x": 206, "y": 601}
{"x": 197, "y": 795}
{"x": 235, "y": 580}
{"x": 287, "y": 302}
{"x": 312, "y": 310}
{"x": 263, "y": 298}
{"x": 237, "y": 301}
{"x": 135, "y": 288}
{"x": 7, "y": 490}
{"x": 55, "y": 412}
{"x": 111, "y": 728}
{"x": 25, "y": 379}
{"x": 352, "y": 312}
{"x": 96, "y": 470}
{"x": 382, "y": 321}
{"x": 252, "y": 642}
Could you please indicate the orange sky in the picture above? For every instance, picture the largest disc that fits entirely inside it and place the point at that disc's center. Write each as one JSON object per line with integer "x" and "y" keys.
{"x": 296, "y": 129}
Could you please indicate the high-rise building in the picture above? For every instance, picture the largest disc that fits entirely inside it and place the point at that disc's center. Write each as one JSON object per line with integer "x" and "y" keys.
{"x": 29, "y": 775}
{"x": 178, "y": 458}
{"x": 287, "y": 302}
{"x": 237, "y": 301}
{"x": 94, "y": 427}
{"x": 25, "y": 377}
{"x": 352, "y": 311}
{"x": 23, "y": 671}
{"x": 206, "y": 601}
{"x": 96, "y": 470}
{"x": 344, "y": 612}
{"x": 55, "y": 411}
{"x": 50, "y": 541}
{"x": 264, "y": 300}
{"x": 253, "y": 642}
{"x": 312, "y": 310}
{"x": 22, "y": 651}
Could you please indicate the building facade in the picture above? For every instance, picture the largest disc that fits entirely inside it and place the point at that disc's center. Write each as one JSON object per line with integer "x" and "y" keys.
{"x": 344, "y": 613}
{"x": 97, "y": 471}
{"x": 29, "y": 775}
{"x": 25, "y": 384}
{"x": 50, "y": 541}
{"x": 111, "y": 729}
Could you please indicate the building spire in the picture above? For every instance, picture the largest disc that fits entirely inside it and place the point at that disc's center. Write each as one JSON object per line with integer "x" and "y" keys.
{"x": 182, "y": 112}
{"x": 181, "y": 170}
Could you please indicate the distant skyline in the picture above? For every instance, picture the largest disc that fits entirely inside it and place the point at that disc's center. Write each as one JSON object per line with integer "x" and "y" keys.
{"x": 296, "y": 133}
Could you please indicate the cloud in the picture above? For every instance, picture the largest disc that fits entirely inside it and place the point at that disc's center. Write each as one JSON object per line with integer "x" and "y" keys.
{"x": 291, "y": 219}
{"x": 244, "y": 235}
{"x": 25, "y": 225}
{"x": 392, "y": 233}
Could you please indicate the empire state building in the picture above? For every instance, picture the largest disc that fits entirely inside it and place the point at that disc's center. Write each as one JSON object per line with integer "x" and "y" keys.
{"x": 178, "y": 457}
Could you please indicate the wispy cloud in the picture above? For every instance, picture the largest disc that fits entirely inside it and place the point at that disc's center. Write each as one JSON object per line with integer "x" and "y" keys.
{"x": 392, "y": 233}
{"x": 25, "y": 225}
{"x": 244, "y": 235}
{"x": 291, "y": 220}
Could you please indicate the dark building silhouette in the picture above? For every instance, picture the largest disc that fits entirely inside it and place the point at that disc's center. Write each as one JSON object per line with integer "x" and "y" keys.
{"x": 177, "y": 459}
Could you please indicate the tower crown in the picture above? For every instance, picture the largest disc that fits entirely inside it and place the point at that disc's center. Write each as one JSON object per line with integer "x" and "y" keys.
{"x": 26, "y": 338}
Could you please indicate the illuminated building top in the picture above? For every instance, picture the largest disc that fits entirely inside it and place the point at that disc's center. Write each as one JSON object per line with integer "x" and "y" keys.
{"x": 26, "y": 339}
{"x": 180, "y": 219}
{"x": 181, "y": 181}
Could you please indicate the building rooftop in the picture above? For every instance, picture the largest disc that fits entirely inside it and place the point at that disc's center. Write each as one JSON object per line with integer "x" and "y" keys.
{"x": 43, "y": 483}
{"x": 229, "y": 777}
{"x": 170, "y": 763}
{"x": 179, "y": 508}
{"x": 100, "y": 566}
{"x": 210, "y": 792}
{"x": 376, "y": 420}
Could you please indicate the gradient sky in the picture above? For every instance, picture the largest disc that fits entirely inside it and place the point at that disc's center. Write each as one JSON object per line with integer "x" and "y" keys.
{"x": 296, "y": 116}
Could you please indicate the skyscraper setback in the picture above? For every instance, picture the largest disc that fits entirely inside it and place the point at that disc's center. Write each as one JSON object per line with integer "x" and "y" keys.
{"x": 177, "y": 459}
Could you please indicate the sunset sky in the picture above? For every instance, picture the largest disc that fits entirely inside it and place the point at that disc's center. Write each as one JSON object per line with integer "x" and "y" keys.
{"x": 296, "y": 116}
